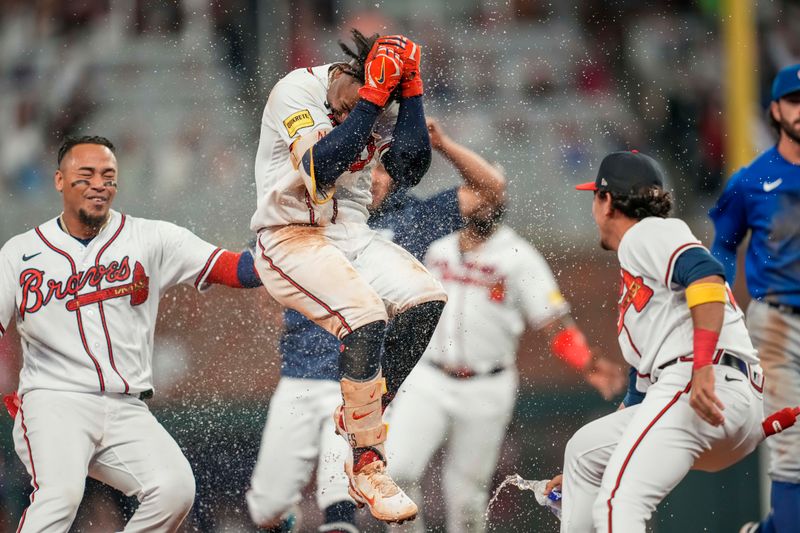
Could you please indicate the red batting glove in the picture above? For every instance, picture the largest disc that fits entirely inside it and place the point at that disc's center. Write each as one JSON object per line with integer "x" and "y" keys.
{"x": 382, "y": 74}
{"x": 410, "y": 52}
{"x": 780, "y": 420}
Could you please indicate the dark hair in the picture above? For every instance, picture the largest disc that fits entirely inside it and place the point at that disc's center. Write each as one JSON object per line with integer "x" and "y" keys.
{"x": 647, "y": 202}
{"x": 358, "y": 56}
{"x": 69, "y": 142}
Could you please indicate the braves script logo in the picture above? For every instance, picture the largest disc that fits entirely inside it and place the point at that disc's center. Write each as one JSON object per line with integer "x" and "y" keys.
{"x": 38, "y": 292}
{"x": 634, "y": 292}
{"x": 477, "y": 275}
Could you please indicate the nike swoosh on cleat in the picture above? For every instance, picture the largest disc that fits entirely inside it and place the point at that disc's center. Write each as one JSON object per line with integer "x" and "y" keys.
{"x": 770, "y": 186}
{"x": 28, "y": 257}
{"x": 357, "y": 416}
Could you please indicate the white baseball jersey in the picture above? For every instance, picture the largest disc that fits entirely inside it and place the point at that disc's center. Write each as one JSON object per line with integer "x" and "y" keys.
{"x": 87, "y": 314}
{"x": 655, "y": 324}
{"x": 493, "y": 292}
{"x": 297, "y": 109}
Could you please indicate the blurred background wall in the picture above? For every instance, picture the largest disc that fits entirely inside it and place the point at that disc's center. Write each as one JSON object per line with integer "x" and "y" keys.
{"x": 543, "y": 88}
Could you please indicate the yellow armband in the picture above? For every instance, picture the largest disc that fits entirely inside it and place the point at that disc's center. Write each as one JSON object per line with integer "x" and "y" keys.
{"x": 703, "y": 293}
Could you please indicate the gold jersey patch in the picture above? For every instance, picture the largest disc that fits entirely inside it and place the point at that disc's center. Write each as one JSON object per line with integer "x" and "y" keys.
{"x": 301, "y": 119}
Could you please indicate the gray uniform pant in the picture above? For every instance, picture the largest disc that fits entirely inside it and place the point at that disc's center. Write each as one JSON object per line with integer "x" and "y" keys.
{"x": 776, "y": 335}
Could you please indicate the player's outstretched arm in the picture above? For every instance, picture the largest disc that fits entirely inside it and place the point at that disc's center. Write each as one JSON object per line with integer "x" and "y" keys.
{"x": 568, "y": 343}
{"x": 484, "y": 184}
{"x": 235, "y": 270}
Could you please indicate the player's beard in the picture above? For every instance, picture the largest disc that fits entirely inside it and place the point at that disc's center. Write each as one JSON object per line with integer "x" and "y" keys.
{"x": 791, "y": 130}
{"x": 94, "y": 222}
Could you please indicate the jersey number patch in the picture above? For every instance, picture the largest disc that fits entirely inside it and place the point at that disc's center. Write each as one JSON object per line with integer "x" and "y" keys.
{"x": 635, "y": 293}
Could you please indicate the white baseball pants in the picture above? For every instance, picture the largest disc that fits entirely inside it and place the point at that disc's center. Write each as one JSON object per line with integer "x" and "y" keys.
{"x": 469, "y": 417}
{"x": 298, "y": 436}
{"x": 342, "y": 276}
{"x": 61, "y": 437}
{"x": 618, "y": 468}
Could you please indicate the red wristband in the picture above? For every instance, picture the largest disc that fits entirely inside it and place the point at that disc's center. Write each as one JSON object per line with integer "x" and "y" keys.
{"x": 705, "y": 343}
{"x": 224, "y": 271}
{"x": 570, "y": 345}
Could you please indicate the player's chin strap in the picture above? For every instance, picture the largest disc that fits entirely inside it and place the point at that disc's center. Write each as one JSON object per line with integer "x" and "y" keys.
{"x": 780, "y": 420}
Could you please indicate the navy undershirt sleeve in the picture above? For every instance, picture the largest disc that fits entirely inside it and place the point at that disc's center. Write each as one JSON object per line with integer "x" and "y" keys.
{"x": 632, "y": 396}
{"x": 246, "y": 271}
{"x": 409, "y": 157}
{"x": 335, "y": 152}
{"x": 694, "y": 264}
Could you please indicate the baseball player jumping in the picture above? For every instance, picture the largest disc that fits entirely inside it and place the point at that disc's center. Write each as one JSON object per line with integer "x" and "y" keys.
{"x": 84, "y": 289}
{"x": 680, "y": 328}
{"x": 764, "y": 198}
{"x": 462, "y": 395}
{"x": 299, "y": 428}
{"x": 320, "y": 131}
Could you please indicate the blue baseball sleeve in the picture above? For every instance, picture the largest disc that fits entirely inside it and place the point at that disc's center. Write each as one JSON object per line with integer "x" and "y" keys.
{"x": 730, "y": 225}
{"x": 335, "y": 152}
{"x": 409, "y": 158}
{"x": 695, "y": 264}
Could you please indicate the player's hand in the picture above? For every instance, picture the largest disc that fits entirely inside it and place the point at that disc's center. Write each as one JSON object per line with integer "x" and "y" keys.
{"x": 382, "y": 74}
{"x": 704, "y": 399}
{"x": 607, "y": 377}
{"x": 436, "y": 133}
{"x": 411, "y": 53}
{"x": 554, "y": 483}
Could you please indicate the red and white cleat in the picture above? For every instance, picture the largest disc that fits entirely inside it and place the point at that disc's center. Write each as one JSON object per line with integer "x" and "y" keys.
{"x": 371, "y": 485}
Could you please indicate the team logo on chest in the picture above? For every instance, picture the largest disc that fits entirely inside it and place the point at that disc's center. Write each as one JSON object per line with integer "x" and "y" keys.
{"x": 38, "y": 292}
{"x": 633, "y": 292}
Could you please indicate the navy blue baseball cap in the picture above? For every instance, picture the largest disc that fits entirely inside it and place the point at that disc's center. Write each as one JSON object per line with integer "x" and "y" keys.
{"x": 626, "y": 172}
{"x": 786, "y": 82}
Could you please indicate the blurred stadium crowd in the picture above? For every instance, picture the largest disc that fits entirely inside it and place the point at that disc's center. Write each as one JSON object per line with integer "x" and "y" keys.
{"x": 542, "y": 88}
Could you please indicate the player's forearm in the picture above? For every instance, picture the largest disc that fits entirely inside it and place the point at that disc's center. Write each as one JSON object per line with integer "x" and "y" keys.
{"x": 334, "y": 153}
{"x": 409, "y": 158}
{"x": 478, "y": 174}
{"x": 706, "y": 299}
{"x": 568, "y": 343}
{"x": 234, "y": 270}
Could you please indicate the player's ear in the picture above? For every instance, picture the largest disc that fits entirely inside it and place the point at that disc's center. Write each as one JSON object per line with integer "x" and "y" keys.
{"x": 775, "y": 111}
{"x": 58, "y": 181}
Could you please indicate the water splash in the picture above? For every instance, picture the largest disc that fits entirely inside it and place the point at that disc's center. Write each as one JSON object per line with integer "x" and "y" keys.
{"x": 551, "y": 501}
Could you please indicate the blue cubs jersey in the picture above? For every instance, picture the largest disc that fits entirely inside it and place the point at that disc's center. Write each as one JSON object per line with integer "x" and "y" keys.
{"x": 765, "y": 199}
{"x": 310, "y": 352}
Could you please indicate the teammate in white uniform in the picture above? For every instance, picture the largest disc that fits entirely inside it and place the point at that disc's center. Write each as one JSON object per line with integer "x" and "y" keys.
{"x": 463, "y": 392}
{"x": 84, "y": 290}
{"x": 320, "y": 131}
{"x": 681, "y": 330}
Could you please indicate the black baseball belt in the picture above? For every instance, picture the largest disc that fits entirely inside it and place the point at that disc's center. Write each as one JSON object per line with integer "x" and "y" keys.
{"x": 727, "y": 359}
{"x": 462, "y": 372}
{"x": 784, "y": 308}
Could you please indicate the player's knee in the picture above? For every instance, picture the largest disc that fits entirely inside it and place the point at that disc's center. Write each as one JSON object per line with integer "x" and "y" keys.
{"x": 266, "y": 509}
{"x": 175, "y": 492}
{"x": 68, "y": 496}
